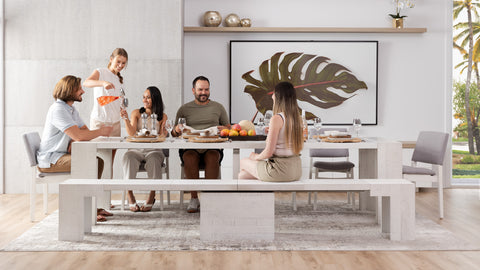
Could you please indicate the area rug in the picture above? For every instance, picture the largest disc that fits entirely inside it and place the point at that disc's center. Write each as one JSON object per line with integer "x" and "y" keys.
{"x": 333, "y": 226}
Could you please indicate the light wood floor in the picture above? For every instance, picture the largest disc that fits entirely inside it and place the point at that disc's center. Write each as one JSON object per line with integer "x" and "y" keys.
{"x": 462, "y": 216}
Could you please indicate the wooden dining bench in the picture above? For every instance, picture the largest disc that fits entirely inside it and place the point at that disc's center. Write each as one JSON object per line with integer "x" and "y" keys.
{"x": 237, "y": 209}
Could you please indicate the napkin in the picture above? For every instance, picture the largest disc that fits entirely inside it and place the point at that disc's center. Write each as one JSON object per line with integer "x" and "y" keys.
{"x": 209, "y": 131}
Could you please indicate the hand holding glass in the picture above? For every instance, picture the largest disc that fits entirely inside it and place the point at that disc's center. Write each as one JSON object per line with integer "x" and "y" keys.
{"x": 124, "y": 105}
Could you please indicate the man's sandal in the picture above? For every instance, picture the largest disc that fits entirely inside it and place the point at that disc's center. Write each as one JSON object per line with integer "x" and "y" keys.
{"x": 134, "y": 207}
{"x": 147, "y": 207}
{"x": 101, "y": 218}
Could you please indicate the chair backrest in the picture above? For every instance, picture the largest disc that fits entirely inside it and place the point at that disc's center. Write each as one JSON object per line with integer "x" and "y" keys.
{"x": 32, "y": 144}
{"x": 430, "y": 147}
{"x": 325, "y": 153}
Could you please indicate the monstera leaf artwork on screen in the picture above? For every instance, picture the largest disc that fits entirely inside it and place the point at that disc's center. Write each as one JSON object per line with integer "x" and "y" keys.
{"x": 315, "y": 79}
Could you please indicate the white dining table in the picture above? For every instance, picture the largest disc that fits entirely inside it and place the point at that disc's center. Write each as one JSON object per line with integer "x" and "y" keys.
{"x": 379, "y": 158}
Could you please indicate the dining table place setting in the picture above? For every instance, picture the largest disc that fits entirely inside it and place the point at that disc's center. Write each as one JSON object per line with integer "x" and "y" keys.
{"x": 145, "y": 138}
{"x": 336, "y": 137}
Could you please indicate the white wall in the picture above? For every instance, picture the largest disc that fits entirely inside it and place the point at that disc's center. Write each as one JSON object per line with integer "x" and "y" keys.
{"x": 414, "y": 70}
{"x": 46, "y": 40}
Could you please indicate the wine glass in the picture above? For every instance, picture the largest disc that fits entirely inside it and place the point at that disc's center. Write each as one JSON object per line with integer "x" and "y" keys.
{"x": 357, "y": 123}
{"x": 124, "y": 105}
{"x": 169, "y": 127}
{"x": 317, "y": 124}
{"x": 181, "y": 123}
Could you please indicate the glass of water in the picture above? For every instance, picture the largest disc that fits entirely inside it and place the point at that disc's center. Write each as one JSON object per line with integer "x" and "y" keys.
{"x": 317, "y": 124}
{"x": 268, "y": 116}
{"x": 261, "y": 125}
{"x": 357, "y": 124}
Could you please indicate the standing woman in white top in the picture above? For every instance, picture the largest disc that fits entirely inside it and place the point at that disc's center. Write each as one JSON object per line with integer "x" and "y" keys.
{"x": 108, "y": 82}
{"x": 280, "y": 160}
{"x": 153, "y": 158}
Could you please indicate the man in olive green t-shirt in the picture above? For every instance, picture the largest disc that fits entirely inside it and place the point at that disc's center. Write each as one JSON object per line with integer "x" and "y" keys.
{"x": 201, "y": 113}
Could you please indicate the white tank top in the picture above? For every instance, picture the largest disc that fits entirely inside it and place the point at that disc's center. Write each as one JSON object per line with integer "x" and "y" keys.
{"x": 110, "y": 112}
{"x": 281, "y": 148}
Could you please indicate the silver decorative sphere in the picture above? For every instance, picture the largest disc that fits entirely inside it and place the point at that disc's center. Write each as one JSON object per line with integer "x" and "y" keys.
{"x": 212, "y": 18}
{"x": 246, "y": 22}
{"x": 232, "y": 20}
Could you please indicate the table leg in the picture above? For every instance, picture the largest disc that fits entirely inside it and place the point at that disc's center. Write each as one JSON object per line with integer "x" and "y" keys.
{"x": 84, "y": 162}
{"x": 106, "y": 155}
{"x": 236, "y": 162}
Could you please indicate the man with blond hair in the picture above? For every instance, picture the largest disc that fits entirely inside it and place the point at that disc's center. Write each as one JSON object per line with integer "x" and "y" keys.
{"x": 64, "y": 125}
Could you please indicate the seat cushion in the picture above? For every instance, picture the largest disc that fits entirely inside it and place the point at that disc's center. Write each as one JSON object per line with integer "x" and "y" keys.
{"x": 334, "y": 166}
{"x": 417, "y": 170}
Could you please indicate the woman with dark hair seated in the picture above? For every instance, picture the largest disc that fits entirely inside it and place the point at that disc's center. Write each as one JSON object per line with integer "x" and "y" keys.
{"x": 153, "y": 158}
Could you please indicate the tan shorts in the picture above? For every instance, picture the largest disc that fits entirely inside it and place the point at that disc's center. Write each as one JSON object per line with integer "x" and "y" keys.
{"x": 280, "y": 169}
{"x": 117, "y": 128}
{"x": 64, "y": 164}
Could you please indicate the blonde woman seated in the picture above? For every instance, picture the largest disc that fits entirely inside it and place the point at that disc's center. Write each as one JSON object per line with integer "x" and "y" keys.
{"x": 280, "y": 160}
{"x": 153, "y": 158}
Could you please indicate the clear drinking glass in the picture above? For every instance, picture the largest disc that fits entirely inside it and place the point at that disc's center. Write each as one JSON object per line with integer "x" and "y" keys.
{"x": 169, "y": 127}
{"x": 357, "y": 124}
{"x": 124, "y": 105}
{"x": 268, "y": 116}
{"x": 181, "y": 123}
{"x": 317, "y": 124}
{"x": 261, "y": 125}
{"x": 153, "y": 116}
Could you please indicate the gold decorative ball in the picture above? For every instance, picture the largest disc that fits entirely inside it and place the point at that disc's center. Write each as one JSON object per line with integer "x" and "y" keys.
{"x": 212, "y": 18}
{"x": 232, "y": 20}
{"x": 245, "y": 22}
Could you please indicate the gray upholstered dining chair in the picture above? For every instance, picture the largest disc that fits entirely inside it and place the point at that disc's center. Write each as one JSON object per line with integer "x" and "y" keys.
{"x": 336, "y": 166}
{"x": 32, "y": 144}
{"x": 430, "y": 150}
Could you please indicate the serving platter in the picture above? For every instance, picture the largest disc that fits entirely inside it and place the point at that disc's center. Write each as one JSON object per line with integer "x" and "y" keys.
{"x": 207, "y": 139}
{"x": 341, "y": 140}
{"x": 143, "y": 139}
{"x": 247, "y": 138}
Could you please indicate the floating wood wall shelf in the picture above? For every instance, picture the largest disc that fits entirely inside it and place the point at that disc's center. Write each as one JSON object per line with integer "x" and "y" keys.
{"x": 192, "y": 29}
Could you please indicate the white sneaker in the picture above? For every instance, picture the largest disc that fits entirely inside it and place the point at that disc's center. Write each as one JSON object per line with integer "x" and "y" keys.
{"x": 193, "y": 206}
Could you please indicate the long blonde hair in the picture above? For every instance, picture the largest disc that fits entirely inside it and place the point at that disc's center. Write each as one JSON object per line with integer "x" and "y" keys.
{"x": 286, "y": 102}
{"x": 121, "y": 52}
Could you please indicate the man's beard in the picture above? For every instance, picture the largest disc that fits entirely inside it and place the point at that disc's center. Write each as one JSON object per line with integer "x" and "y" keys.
{"x": 199, "y": 98}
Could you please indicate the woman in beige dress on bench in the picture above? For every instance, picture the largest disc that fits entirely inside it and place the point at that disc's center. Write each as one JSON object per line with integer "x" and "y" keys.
{"x": 280, "y": 160}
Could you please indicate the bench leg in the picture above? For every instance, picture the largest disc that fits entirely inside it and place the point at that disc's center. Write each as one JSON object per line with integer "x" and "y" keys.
{"x": 237, "y": 216}
{"x": 74, "y": 214}
{"x": 398, "y": 213}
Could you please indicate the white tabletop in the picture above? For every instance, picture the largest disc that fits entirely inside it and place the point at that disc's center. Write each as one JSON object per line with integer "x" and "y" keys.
{"x": 121, "y": 143}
